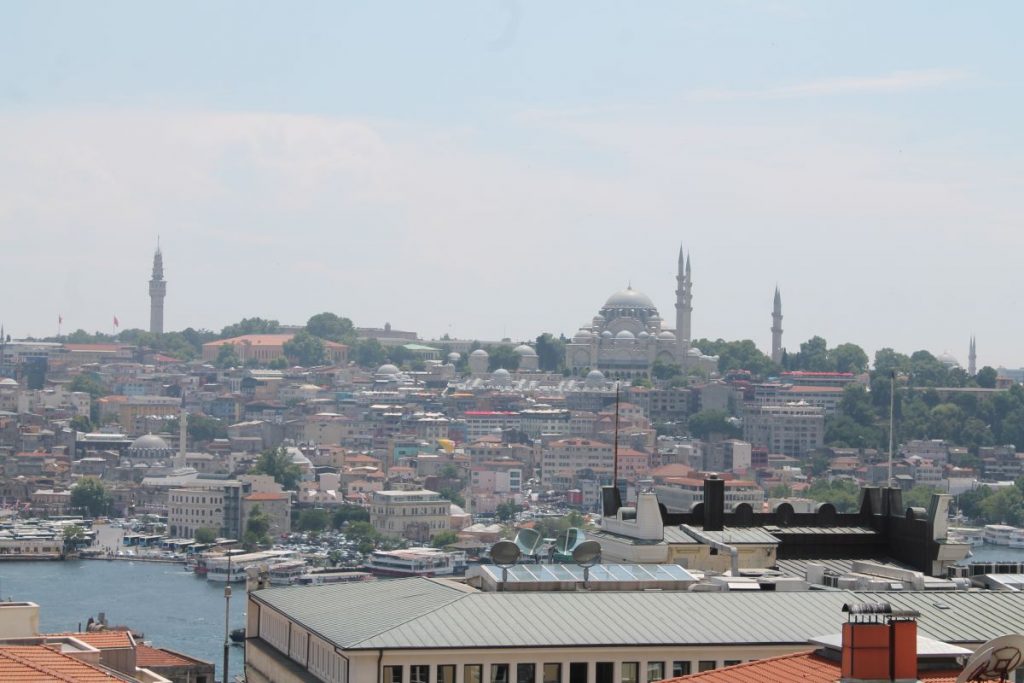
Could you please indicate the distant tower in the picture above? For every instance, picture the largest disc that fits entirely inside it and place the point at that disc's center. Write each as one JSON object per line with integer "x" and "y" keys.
{"x": 972, "y": 359}
{"x": 777, "y": 328}
{"x": 684, "y": 305}
{"x": 157, "y": 291}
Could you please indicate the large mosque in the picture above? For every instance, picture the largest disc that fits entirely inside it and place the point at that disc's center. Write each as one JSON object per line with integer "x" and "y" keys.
{"x": 628, "y": 335}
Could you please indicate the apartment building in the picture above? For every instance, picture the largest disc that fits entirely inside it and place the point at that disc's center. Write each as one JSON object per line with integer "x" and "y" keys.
{"x": 793, "y": 429}
{"x": 415, "y": 515}
{"x": 567, "y": 457}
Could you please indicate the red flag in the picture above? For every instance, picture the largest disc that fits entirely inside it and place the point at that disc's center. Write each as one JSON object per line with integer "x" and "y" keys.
{"x": 116, "y": 324}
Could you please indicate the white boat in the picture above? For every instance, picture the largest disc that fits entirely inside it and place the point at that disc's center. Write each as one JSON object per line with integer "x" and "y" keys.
{"x": 285, "y": 573}
{"x": 1017, "y": 539}
{"x": 415, "y": 562}
{"x": 323, "y": 578}
{"x": 999, "y": 534}
{"x": 969, "y": 535}
{"x": 217, "y": 567}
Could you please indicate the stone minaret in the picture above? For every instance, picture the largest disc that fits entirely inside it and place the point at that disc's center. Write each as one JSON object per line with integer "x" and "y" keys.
{"x": 972, "y": 359}
{"x": 684, "y": 305}
{"x": 157, "y": 291}
{"x": 777, "y": 328}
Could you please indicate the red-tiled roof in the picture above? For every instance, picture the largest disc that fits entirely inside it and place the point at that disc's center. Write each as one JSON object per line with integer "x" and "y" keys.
{"x": 801, "y": 666}
{"x": 103, "y": 640}
{"x": 147, "y": 657}
{"x": 41, "y": 664}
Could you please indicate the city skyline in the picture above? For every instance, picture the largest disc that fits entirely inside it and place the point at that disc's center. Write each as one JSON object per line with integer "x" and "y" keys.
{"x": 511, "y": 155}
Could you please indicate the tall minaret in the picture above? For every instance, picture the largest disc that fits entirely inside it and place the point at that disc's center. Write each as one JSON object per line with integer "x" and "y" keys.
{"x": 157, "y": 291}
{"x": 684, "y": 300}
{"x": 972, "y": 359}
{"x": 777, "y": 328}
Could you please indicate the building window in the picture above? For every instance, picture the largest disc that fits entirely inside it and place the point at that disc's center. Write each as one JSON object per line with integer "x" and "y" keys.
{"x": 474, "y": 673}
{"x": 526, "y": 673}
{"x": 680, "y": 668}
{"x": 605, "y": 672}
{"x": 731, "y": 662}
{"x": 392, "y": 674}
{"x": 552, "y": 673}
{"x": 630, "y": 672}
{"x": 445, "y": 673}
{"x": 499, "y": 673}
{"x": 419, "y": 673}
{"x": 578, "y": 672}
{"x": 655, "y": 671}
{"x": 706, "y": 665}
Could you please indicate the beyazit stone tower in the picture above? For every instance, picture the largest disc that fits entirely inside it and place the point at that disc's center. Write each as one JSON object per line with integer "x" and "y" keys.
{"x": 157, "y": 292}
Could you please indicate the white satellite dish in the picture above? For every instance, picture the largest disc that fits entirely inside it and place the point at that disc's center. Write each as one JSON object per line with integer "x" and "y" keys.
{"x": 994, "y": 660}
{"x": 505, "y": 553}
{"x": 587, "y": 553}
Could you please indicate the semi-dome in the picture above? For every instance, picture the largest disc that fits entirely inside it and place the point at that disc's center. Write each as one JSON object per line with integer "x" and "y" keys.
{"x": 607, "y": 334}
{"x": 666, "y": 335}
{"x": 388, "y": 369}
{"x": 643, "y": 335}
{"x": 625, "y": 334}
{"x": 525, "y": 350}
{"x": 629, "y": 298}
{"x": 479, "y": 353}
{"x": 149, "y": 441}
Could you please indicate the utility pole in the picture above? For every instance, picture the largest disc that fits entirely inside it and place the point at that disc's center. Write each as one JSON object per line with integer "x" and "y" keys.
{"x": 892, "y": 419}
{"x": 227, "y": 605}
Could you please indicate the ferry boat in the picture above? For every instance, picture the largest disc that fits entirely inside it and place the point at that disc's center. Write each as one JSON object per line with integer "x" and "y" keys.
{"x": 999, "y": 534}
{"x": 326, "y": 577}
{"x": 968, "y": 535}
{"x": 415, "y": 562}
{"x": 285, "y": 573}
{"x": 217, "y": 567}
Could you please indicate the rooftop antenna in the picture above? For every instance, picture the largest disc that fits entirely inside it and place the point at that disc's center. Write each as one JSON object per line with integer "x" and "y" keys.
{"x": 995, "y": 660}
{"x": 505, "y": 554}
{"x": 587, "y": 554}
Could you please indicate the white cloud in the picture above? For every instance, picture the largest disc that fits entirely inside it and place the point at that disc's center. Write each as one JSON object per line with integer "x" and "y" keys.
{"x": 896, "y": 81}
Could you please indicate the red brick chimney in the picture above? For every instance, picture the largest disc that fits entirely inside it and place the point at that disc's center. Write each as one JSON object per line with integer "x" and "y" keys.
{"x": 879, "y": 644}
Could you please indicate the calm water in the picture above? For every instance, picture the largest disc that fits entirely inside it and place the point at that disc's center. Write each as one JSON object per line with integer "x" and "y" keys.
{"x": 994, "y": 553}
{"x": 170, "y": 606}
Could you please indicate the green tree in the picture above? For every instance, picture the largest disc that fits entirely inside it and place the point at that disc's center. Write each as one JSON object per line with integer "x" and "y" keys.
{"x": 918, "y": 497}
{"x": 226, "y": 357}
{"x": 848, "y": 358}
{"x": 502, "y": 357}
{"x": 986, "y": 377}
{"x": 304, "y": 349}
{"x": 842, "y": 493}
{"x": 278, "y": 464}
{"x": 347, "y": 514}
{"x": 887, "y": 361}
{"x": 665, "y": 371}
{"x": 738, "y": 355}
{"x": 369, "y": 353}
{"x": 250, "y": 326}
{"x": 507, "y": 511}
{"x": 550, "y": 352}
{"x": 74, "y": 538}
{"x": 90, "y": 496}
{"x": 205, "y": 535}
{"x": 81, "y": 423}
{"x": 315, "y": 519}
{"x": 641, "y": 382}
{"x": 331, "y": 327}
{"x": 399, "y": 355}
{"x": 89, "y": 383}
{"x": 708, "y": 422}
{"x": 813, "y": 356}
{"x": 780, "y": 491}
{"x": 444, "y": 538}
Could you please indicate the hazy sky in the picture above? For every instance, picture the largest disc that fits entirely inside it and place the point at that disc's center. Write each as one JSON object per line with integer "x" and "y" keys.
{"x": 499, "y": 168}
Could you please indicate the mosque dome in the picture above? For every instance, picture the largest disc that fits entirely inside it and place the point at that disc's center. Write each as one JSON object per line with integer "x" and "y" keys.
{"x": 501, "y": 372}
{"x": 582, "y": 336}
{"x": 8, "y": 382}
{"x": 668, "y": 336}
{"x": 387, "y": 369}
{"x": 625, "y": 334}
{"x": 949, "y": 359}
{"x": 607, "y": 334}
{"x": 454, "y": 357}
{"x": 643, "y": 335}
{"x": 629, "y": 298}
{"x": 479, "y": 353}
{"x": 525, "y": 350}
{"x": 149, "y": 441}
{"x": 311, "y": 387}
{"x": 595, "y": 377}
{"x": 694, "y": 352}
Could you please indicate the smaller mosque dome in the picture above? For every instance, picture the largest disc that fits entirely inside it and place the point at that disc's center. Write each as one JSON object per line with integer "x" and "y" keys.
{"x": 582, "y": 336}
{"x": 149, "y": 441}
{"x": 479, "y": 353}
{"x": 694, "y": 352}
{"x": 948, "y": 359}
{"x": 501, "y": 372}
{"x": 643, "y": 335}
{"x": 8, "y": 382}
{"x": 607, "y": 334}
{"x": 387, "y": 369}
{"x": 595, "y": 376}
{"x": 454, "y": 357}
{"x": 310, "y": 387}
{"x": 525, "y": 350}
{"x": 625, "y": 334}
{"x": 666, "y": 335}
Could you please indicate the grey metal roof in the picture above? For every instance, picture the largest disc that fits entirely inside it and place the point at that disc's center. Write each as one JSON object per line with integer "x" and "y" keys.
{"x": 824, "y": 530}
{"x": 421, "y": 613}
{"x": 616, "y": 573}
{"x": 839, "y": 566}
{"x": 736, "y": 535}
{"x": 349, "y": 613}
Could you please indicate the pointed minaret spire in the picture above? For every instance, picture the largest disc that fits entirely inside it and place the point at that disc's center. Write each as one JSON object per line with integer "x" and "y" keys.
{"x": 777, "y": 327}
{"x": 972, "y": 359}
{"x": 684, "y": 307}
{"x": 157, "y": 292}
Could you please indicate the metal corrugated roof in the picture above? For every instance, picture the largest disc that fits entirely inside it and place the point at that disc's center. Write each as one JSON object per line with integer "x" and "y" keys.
{"x": 348, "y": 613}
{"x": 741, "y": 535}
{"x": 840, "y": 566}
{"x": 959, "y": 617}
{"x": 825, "y": 530}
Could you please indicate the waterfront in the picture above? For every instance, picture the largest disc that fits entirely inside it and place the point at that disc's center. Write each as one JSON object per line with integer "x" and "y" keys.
{"x": 170, "y": 606}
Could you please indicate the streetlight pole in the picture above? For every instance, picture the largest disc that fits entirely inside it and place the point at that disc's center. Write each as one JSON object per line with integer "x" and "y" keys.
{"x": 892, "y": 419}
{"x": 227, "y": 604}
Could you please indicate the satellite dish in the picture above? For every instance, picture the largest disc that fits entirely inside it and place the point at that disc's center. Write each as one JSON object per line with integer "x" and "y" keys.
{"x": 994, "y": 660}
{"x": 505, "y": 553}
{"x": 587, "y": 553}
{"x": 528, "y": 541}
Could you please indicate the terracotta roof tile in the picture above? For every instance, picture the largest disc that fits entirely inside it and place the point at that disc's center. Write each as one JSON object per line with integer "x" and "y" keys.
{"x": 147, "y": 657}
{"x": 801, "y": 666}
{"x": 102, "y": 640}
{"x": 40, "y": 664}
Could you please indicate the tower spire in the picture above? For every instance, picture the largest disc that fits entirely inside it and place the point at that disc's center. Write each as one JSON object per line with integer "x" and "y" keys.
{"x": 157, "y": 292}
{"x": 777, "y": 327}
{"x": 684, "y": 307}
{"x": 972, "y": 358}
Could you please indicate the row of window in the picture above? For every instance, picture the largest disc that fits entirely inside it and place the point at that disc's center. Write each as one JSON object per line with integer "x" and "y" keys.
{"x": 528, "y": 672}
